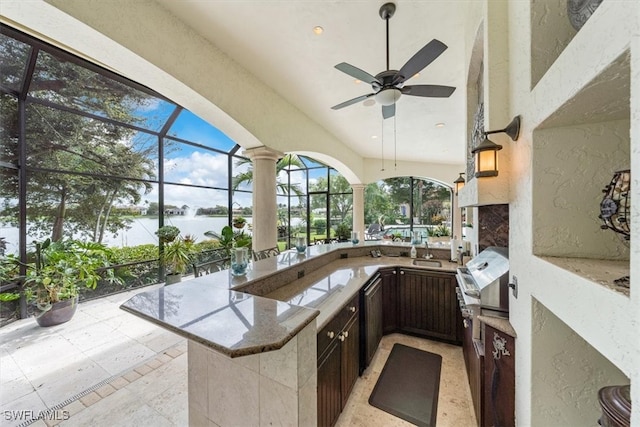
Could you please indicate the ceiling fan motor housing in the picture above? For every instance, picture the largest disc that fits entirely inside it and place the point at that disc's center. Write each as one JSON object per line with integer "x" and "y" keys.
{"x": 387, "y": 10}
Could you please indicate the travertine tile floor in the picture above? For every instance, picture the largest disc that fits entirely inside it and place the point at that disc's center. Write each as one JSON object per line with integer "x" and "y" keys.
{"x": 107, "y": 367}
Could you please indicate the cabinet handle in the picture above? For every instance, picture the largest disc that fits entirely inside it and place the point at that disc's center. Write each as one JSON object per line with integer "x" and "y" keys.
{"x": 352, "y": 309}
{"x": 331, "y": 334}
{"x": 345, "y": 334}
{"x": 341, "y": 337}
{"x": 394, "y": 272}
{"x": 465, "y": 323}
{"x": 402, "y": 272}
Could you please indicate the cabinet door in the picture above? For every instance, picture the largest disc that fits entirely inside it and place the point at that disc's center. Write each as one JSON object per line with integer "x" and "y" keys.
{"x": 473, "y": 351}
{"x": 350, "y": 353}
{"x": 372, "y": 318}
{"x": 329, "y": 386}
{"x": 499, "y": 378}
{"x": 428, "y": 305}
{"x": 389, "y": 300}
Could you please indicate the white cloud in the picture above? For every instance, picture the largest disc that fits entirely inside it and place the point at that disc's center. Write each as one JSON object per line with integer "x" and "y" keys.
{"x": 197, "y": 169}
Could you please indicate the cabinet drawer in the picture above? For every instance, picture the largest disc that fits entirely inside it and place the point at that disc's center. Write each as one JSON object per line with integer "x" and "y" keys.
{"x": 337, "y": 324}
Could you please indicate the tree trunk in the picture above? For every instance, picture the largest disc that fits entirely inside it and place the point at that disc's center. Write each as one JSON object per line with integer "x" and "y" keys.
{"x": 110, "y": 200}
{"x": 58, "y": 221}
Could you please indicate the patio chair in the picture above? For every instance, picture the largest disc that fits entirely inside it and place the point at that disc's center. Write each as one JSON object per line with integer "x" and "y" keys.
{"x": 265, "y": 253}
{"x": 210, "y": 266}
{"x": 372, "y": 232}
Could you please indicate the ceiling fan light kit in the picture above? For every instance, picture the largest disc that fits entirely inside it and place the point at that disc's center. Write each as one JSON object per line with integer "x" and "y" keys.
{"x": 388, "y": 96}
{"x": 388, "y": 86}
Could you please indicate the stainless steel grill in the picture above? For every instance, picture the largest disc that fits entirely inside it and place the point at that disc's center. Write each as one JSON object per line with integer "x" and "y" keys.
{"x": 483, "y": 286}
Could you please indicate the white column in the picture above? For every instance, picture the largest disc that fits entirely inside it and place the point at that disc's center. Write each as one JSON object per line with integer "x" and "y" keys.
{"x": 265, "y": 206}
{"x": 358, "y": 209}
{"x": 456, "y": 213}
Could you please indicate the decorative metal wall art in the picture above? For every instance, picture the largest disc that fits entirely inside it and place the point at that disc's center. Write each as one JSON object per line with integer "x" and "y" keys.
{"x": 615, "y": 208}
{"x": 581, "y": 10}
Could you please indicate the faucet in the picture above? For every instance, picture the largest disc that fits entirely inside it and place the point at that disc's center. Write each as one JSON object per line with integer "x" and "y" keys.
{"x": 426, "y": 245}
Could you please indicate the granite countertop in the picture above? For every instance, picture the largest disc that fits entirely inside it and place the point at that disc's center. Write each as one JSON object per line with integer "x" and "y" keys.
{"x": 210, "y": 311}
{"x": 500, "y": 323}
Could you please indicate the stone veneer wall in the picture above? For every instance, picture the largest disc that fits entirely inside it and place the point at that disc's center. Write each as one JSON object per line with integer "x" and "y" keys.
{"x": 272, "y": 388}
{"x": 493, "y": 226}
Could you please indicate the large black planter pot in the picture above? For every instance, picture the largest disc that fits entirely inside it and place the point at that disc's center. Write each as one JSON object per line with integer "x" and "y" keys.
{"x": 59, "y": 313}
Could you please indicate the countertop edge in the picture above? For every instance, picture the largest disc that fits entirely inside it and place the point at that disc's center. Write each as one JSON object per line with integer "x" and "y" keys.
{"x": 499, "y": 323}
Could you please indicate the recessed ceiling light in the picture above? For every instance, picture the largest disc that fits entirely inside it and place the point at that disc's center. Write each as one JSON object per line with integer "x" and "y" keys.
{"x": 356, "y": 81}
{"x": 416, "y": 75}
{"x": 318, "y": 30}
{"x": 440, "y": 125}
{"x": 374, "y": 136}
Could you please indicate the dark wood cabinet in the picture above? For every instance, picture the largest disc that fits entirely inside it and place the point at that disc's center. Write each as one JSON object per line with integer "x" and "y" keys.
{"x": 350, "y": 361}
{"x": 499, "y": 378}
{"x": 473, "y": 351}
{"x": 389, "y": 300}
{"x": 329, "y": 387}
{"x": 427, "y": 305}
{"x": 338, "y": 361}
{"x": 372, "y": 320}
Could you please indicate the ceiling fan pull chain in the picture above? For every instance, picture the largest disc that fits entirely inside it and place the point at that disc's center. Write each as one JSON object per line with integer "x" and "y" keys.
{"x": 395, "y": 145}
{"x": 382, "y": 146}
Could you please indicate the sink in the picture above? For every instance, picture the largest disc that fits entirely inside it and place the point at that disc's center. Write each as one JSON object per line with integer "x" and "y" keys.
{"x": 427, "y": 262}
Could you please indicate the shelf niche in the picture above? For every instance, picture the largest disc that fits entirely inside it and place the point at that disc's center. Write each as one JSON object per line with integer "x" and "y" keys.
{"x": 575, "y": 154}
{"x": 551, "y": 33}
{"x": 569, "y": 373}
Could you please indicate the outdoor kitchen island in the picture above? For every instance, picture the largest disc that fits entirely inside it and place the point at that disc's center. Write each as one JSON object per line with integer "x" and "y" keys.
{"x": 252, "y": 360}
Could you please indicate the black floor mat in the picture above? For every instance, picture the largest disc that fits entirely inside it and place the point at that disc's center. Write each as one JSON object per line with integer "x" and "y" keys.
{"x": 408, "y": 385}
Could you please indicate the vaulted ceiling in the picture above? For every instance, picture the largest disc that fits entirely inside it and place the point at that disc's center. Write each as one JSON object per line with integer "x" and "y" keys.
{"x": 275, "y": 41}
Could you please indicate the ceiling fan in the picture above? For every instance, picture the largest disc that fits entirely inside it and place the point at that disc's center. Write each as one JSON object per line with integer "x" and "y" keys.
{"x": 388, "y": 85}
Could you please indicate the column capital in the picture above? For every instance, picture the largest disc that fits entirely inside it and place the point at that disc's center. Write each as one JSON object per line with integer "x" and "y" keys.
{"x": 357, "y": 186}
{"x": 262, "y": 153}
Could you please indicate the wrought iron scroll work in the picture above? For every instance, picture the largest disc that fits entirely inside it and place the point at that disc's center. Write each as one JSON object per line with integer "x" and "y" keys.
{"x": 499, "y": 346}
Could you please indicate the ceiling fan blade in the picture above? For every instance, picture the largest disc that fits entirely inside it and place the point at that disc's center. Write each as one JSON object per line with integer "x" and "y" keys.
{"x": 432, "y": 91}
{"x": 388, "y": 111}
{"x": 421, "y": 59}
{"x": 357, "y": 73}
{"x": 352, "y": 101}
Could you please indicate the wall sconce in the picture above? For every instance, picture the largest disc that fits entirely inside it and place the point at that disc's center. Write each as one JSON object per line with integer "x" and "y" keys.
{"x": 459, "y": 183}
{"x": 487, "y": 151}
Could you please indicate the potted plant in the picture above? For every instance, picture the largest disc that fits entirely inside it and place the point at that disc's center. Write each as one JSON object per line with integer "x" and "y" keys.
{"x": 176, "y": 258}
{"x": 167, "y": 233}
{"x": 239, "y": 222}
{"x": 61, "y": 270}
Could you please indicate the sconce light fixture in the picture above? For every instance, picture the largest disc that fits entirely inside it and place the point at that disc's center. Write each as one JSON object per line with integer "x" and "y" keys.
{"x": 487, "y": 151}
{"x": 459, "y": 183}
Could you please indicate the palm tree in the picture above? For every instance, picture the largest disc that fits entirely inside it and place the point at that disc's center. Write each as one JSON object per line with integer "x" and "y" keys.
{"x": 284, "y": 163}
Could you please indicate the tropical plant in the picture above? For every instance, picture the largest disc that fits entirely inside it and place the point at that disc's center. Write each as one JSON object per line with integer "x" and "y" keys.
{"x": 239, "y": 222}
{"x": 167, "y": 233}
{"x": 343, "y": 231}
{"x": 9, "y": 269}
{"x": 62, "y": 268}
{"x": 177, "y": 255}
{"x": 440, "y": 231}
{"x": 228, "y": 239}
{"x": 246, "y": 177}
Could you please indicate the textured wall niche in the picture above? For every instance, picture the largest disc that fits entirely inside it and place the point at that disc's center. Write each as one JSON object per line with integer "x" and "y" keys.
{"x": 551, "y": 33}
{"x": 567, "y": 373}
{"x": 571, "y": 166}
{"x": 576, "y": 150}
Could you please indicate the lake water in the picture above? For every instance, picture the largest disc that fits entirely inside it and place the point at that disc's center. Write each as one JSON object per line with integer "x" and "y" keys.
{"x": 142, "y": 231}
